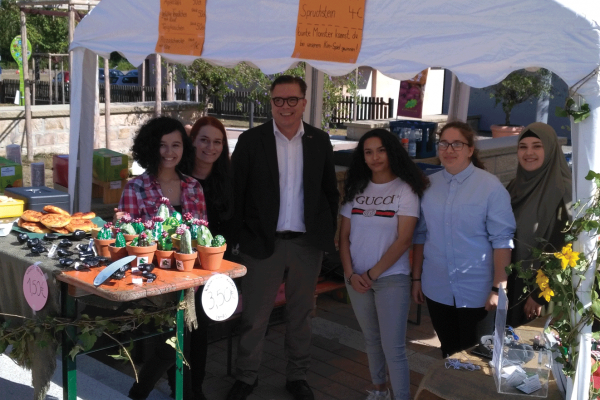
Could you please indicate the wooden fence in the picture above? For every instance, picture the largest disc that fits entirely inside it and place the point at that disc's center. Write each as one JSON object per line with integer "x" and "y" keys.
{"x": 236, "y": 104}
{"x": 368, "y": 108}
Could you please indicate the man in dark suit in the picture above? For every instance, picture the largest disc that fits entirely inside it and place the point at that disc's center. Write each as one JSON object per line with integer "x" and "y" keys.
{"x": 286, "y": 203}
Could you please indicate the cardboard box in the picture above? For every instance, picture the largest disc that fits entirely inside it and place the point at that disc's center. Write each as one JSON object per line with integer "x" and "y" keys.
{"x": 110, "y": 192}
{"x": 11, "y": 174}
{"x": 60, "y": 169}
{"x": 109, "y": 165}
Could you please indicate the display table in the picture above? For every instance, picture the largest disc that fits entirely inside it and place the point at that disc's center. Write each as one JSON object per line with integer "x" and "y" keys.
{"x": 65, "y": 286}
{"x": 460, "y": 384}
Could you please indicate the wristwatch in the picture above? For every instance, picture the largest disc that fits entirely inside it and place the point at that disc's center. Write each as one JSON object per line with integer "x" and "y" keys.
{"x": 348, "y": 279}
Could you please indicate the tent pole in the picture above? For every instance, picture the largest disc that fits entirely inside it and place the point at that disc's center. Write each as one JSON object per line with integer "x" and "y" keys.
{"x": 459, "y": 100}
{"x": 106, "y": 105}
{"x": 314, "y": 96}
{"x": 24, "y": 51}
{"x": 158, "y": 85}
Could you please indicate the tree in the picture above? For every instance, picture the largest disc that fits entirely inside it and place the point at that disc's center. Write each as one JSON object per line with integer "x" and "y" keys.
{"x": 214, "y": 81}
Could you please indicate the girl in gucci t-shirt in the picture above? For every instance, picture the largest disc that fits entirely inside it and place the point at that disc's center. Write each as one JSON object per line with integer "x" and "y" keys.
{"x": 379, "y": 213}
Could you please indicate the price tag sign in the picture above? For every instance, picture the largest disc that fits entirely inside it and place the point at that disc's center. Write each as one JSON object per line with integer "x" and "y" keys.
{"x": 329, "y": 30}
{"x": 35, "y": 287}
{"x": 219, "y": 297}
{"x": 181, "y": 27}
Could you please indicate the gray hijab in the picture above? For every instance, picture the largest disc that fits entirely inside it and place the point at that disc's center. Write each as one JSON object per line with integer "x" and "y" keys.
{"x": 541, "y": 199}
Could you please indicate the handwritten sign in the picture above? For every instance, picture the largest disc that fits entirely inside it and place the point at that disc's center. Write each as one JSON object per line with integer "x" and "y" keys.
{"x": 329, "y": 30}
{"x": 219, "y": 297}
{"x": 181, "y": 27}
{"x": 35, "y": 287}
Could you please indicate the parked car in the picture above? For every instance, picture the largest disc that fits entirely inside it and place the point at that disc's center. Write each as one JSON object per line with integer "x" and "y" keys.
{"x": 130, "y": 78}
{"x": 113, "y": 74}
{"x": 59, "y": 77}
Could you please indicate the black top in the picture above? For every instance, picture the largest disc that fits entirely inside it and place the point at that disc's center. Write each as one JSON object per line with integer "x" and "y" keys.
{"x": 216, "y": 223}
{"x": 178, "y": 208}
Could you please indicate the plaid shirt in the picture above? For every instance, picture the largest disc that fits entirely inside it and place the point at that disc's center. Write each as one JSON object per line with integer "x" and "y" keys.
{"x": 141, "y": 194}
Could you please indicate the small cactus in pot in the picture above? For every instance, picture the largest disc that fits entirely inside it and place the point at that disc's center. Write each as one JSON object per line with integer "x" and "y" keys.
{"x": 186, "y": 256}
{"x": 118, "y": 250}
{"x": 143, "y": 247}
{"x": 164, "y": 242}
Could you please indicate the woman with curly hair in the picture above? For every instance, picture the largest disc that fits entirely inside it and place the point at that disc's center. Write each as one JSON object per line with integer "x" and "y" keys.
{"x": 463, "y": 241}
{"x": 379, "y": 213}
{"x": 162, "y": 147}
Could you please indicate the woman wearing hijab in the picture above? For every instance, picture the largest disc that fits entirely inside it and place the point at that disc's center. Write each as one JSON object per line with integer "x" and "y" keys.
{"x": 541, "y": 197}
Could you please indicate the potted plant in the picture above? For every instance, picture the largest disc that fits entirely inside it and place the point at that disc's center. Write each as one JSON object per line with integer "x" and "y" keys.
{"x": 186, "y": 256}
{"x": 104, "y": 239}
{"x": 143, "y": 247}
{"x": 164, "y": 252}
{"x": 118, "y": 250}
{"x": 192, "y": 227}
{"x": 518, "y": 87}
{"x": 210, "y": 250}
{"x": 125, "y": 224}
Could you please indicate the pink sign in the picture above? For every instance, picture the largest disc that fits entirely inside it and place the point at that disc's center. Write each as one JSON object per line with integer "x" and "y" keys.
{"x": 35, "y": 287}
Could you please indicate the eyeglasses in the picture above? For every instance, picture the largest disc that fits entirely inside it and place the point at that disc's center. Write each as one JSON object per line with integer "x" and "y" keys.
{"x": 292, "y": 101}
{"x": 457, "y": 146}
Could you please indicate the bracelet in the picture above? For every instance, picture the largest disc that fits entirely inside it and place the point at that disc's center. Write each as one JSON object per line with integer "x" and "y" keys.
{"x": 369, "y": 275}
{"x": 416, "y": 280}
{"x": 495, "y": 289}
{"x": 348, "y": 279}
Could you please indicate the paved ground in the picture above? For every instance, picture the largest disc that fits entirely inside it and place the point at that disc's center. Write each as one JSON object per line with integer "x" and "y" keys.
{"x": 339, "y": 369}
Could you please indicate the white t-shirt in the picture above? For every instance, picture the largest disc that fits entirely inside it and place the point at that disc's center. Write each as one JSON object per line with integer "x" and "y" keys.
{"x": 374, "y": 223}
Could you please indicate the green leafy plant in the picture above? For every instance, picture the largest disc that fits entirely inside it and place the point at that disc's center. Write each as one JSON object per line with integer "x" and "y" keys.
{"x": 558, "y": 272}
{"x": 520, "y": 86}
{"x": 571, "y": 110}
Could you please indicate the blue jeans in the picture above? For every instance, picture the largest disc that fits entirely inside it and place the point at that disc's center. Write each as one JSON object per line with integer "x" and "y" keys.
{"x": 382, "y": 313}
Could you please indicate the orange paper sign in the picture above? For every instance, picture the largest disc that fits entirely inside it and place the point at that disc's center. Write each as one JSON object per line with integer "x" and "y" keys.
{"x": 181, "y": 25}
{"x": 329, "y": 30}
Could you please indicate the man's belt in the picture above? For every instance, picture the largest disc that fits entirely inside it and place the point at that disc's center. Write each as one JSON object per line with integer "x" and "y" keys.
{"x": 288, "y": 235}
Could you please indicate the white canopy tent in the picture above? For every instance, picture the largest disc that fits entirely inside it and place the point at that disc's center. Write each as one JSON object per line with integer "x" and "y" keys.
{"x": 479, "y": 41}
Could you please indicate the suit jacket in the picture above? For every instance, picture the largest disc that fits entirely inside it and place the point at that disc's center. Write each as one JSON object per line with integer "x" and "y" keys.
{"x": 256, "y": 177}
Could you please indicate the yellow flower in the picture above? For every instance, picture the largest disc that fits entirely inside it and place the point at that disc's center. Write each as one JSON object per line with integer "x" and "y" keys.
{"x": 542, "y": 280}
{"x": 567, "y": 256}
{"x": 547, "y": 293}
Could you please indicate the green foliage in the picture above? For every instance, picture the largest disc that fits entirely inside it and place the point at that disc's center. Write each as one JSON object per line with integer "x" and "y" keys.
{"x": 571, "y": 110}
{"x": 560, "y": 276}
{"x": 41, "y": 332}
{"x": 47, "y": 34}
{"x": 334, "y": 88}
{"x": 520, "y": 86}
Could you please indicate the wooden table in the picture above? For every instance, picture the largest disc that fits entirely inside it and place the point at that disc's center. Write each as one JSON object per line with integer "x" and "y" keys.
{"x": 80, "y": 283}
{"x": 460, "y": 384}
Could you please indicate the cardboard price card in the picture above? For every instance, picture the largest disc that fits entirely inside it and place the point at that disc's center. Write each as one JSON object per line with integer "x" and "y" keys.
{"x": 329, "y": 30}
{"x": 181, "y": 27}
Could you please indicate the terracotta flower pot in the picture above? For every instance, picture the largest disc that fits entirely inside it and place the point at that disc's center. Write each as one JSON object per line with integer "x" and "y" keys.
{"x": 102, "y": 246}
{"x": 116, "y": 253}
{"x": 165, "y": 258}
{"x": 128, "y": 238}
{"x": 211, "y": 257}
{"x": 185, "y": 262}
{"x": 177, "y": 241}
{"x": 505, "y": 130}
{"x": 144, "y": 255}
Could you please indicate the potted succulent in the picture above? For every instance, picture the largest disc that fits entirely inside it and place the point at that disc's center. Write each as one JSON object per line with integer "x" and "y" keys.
{"x": 186, "y": 256}
{"x": 176, "y": 237}
{"x": 118, "y": 250}
{"x": 164, "y": 252}
{"x": 210, "y": 249}
{"x": 104, "y": 239}
{"x": 518, "y": 87}
{"x": 143, "y": 247}
{"x": 125, "y": 223}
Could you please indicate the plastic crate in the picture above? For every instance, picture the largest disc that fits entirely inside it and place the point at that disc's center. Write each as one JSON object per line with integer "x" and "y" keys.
{"x": 426, "y": 147}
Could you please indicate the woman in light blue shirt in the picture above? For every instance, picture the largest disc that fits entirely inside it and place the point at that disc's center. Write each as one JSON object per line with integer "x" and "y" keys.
{"x": 463, "y": 241}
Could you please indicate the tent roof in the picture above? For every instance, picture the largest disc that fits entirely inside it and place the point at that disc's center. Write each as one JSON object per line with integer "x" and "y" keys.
{"x": 480, "y": 41}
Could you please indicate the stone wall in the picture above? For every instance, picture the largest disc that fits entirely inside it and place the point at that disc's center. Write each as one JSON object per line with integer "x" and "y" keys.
{"x": 51, "y": 124}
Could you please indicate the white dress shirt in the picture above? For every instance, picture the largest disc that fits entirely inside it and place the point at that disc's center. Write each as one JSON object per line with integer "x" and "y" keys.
{"x": 291, "y": 181}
